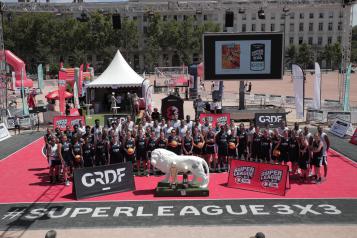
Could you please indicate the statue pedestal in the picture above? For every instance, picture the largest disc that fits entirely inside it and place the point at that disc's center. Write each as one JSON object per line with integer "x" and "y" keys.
{"x": 180, "y": 190}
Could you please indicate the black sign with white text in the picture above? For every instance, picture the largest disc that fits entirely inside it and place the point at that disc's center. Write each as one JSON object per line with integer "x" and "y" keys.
{"x": 91, "y": 182}
{"x": 274, "y": 120}
{"x": 178, "y": 213}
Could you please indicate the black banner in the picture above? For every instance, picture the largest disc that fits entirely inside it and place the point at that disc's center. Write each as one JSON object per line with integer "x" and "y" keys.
{"x": 171, "y": 106}
{"x": 274, "y": 120}
{"x": 91, "y": 182}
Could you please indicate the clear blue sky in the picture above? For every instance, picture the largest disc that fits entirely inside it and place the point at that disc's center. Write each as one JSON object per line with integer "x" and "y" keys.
{"x": 354, "y": 8}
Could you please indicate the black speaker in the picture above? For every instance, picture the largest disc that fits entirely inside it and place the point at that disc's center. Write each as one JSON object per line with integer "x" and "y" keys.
{"x": 229, "y": 19}
{"x": 116, "y": 21}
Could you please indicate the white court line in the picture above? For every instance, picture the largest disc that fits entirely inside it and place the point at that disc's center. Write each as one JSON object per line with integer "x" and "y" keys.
{"x": 345, "y": 156}
{"x": 21, "y": 149}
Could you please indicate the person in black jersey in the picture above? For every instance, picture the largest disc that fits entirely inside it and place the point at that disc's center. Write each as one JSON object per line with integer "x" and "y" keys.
{"x": 47, "y": 139}
{"x": 88, "y": 153}
{"x": 187, "y": 143}
{"x": 198, "y": 142}
{"x": 66, "y": 156}
{"x": 317, "y": 147}
{"x": 210, "y": 149}
{"x": 256, "y": 145}
{"x": 294, "y": 152}
{"x": 129, "y": 148}
{"x": 304, "y": 158}
{"x": 242, "y": 142}
{"x": 275, "y": 139}
{"x": 232, "y": 146}
{"x": 77, "y": 151}
{"x": 284, "y": 148}
{"x": 115, "y": 151}
{"x": 161, "y": 141}
{"x": 174, "y": 142}
{"x": 101, "y": 150}
{"x": 68, "y": 133}
{"x": 141, "y": 151}
{"x": 265, "y": 144}
{"x": 150, "y": 146}
{"x": 222, "y": 143}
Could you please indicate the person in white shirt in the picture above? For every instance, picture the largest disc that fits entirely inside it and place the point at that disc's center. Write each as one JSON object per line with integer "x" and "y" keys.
{"x": 182, "y": 129}
{"x": 156, "y": 128}
{"x": 176, "y": 122}
{"x": 81, "y": 128}
{"x": 130, "y": 124}
{"x": 163, "y": 126}
{"x": 326, "y": 146}
{"x": 189, "y": 123}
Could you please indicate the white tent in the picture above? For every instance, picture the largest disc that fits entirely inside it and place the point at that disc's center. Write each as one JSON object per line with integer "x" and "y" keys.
{"x": 117, "y": 75}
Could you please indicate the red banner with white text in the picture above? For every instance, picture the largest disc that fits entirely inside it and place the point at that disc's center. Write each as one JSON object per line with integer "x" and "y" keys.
{"x": 62, "y": 122}
{"x": 260, "y": 177}
{"x": 221, "y": 119}
{"x": 354, "y": 138}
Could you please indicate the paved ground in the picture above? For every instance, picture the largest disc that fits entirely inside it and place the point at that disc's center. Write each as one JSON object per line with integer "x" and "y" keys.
{"x": 16, "y": 142}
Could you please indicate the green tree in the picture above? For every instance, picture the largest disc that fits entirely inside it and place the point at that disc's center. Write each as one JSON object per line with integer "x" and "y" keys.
{"x": 305, "y": 56}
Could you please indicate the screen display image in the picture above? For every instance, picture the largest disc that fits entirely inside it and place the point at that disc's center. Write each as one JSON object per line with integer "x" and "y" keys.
{"x": 230, "y": 56}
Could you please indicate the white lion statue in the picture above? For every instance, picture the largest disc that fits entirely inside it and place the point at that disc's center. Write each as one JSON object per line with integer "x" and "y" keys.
{"x": 164, "y": 159}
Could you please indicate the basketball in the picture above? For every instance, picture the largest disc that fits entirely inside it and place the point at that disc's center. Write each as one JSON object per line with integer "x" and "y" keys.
{"x": 77, "y": 158}
{"x": 200, "y": 145}
{"x": 276, "y": 153}
{"x": 173, "y": 144}
{"x": 130, "y": 151}
{"x": 231, "y": 145}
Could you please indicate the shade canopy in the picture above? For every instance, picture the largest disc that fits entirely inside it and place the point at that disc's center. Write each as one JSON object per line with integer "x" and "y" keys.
{"x": 118, "y": 74}
{"x": 54, "y": 95}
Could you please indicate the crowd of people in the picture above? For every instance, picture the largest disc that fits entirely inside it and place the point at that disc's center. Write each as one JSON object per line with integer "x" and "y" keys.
{"x": 125, "y": 141}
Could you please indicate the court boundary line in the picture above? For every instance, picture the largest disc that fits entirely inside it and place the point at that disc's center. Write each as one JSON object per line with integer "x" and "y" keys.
{"x": 21, "y": 149}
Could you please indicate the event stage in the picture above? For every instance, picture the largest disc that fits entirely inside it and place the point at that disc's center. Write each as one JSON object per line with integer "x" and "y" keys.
{"x": 24, "y": 177}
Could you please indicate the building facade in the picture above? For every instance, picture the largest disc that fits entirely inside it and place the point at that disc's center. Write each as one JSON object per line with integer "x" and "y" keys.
{"x": 314, "y": 22}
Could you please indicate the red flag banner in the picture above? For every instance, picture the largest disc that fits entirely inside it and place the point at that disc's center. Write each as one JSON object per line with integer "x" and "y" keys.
{"x": 260, "y": 177}
{"x": 354, "y": 138}
{"x": 221, "y": 119}
{"x": 61, "y": 95}
{"x": 62, "y": 122}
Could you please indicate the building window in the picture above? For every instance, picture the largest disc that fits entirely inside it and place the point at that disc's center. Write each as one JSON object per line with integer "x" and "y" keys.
{"x": 319, "y": 41}
{"x": 175, "y": 17}
{"x": 321, "y": 26}
{"x": 135, "y": 18}
{"x": 330, "y": 26}
{"x": 244, "y": 17}
{"x": 145, "y": 18}
{"x": 262, "y": 27}
{"x": 292, "y": 15}
{"x": 339, "y": 26}
{"x": 311, "y": 15}
{"x": 330, "y": 15}
{"x": 253, "y": 27}
{"x": 205, "y": 17}
{"x": 254, "y": 16}
{"x": 301, "y": 40}
{"x": 145, "y": 29}
{"x": 282, "y": 27}
{"x": 341, "y": 15}
{"x": 310, "y": 40}
{"x": 301, "y": 26}
{"x": 272, "y": 16}
{"x": 339, "y": 39}
{"x": 302, "y": 15}
{"x": 291, "y": 27}
{"x": 272, "y": 27}
{"x": 311, "y": 26}
{"x": 321, "y": 15}
{"x": 291, "y": 40}
{"x": 282, "y": 16}
{"x": 244, "y": 27}
{"x": 329, "y": 40}
{"x": 185, "y": 17}
{"x": 164, "y": 18}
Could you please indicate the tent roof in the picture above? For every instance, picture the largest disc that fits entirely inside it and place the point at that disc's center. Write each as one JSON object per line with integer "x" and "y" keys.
{"x": 117, "y": 74}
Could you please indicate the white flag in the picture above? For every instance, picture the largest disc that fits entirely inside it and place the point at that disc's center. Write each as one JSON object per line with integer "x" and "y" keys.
{"x": 75, "y": 96}
{"x": 298, "y": 78}
{"x": 316, "y": 103}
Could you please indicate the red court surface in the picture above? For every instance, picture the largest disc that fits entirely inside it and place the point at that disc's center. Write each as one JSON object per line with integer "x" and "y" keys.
{"x": 24, "y": 178}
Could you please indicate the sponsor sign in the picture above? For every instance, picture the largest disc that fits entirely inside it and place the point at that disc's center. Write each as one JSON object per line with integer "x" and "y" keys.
{"x": 62, "y": 121}
{"x": 177, "y": 212}
{"x": 354, "y": 138}
{"x": 340, "y": 128}
{"x": 266, "y": 178}
{"x": 114, "y": 118}
{"x": 91, "y": 182}
{"x": 274, "y": 120}
{"x": 4, "y": 133}
{"x": 332, "y": 116}
{"x": 172, "y": 106}
{"x": 221, "y": 119}
{"x": 11, "y": 122}
{"x": 25, "y": 121}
